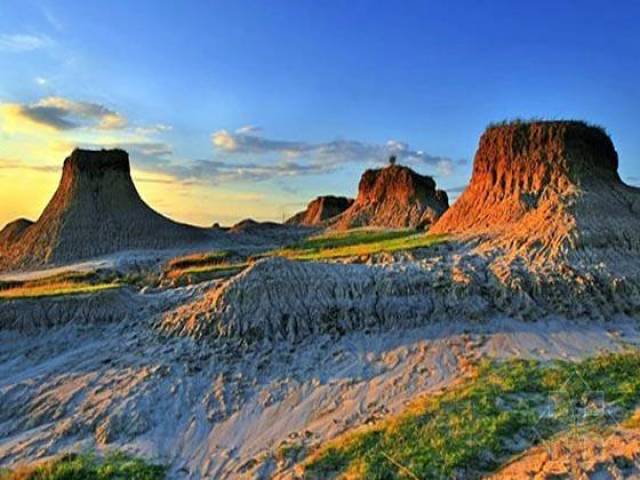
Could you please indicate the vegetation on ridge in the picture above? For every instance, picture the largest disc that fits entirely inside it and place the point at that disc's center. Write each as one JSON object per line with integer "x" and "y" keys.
{"x": 476, "y": 426}
{"x": 68, "y": 283}
{"x": 531, "y": 121}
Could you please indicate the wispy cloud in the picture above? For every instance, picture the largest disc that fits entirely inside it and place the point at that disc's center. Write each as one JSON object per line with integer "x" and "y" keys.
{"x": 216, "y": 171}
{"x": 51, "y": 17}
{"x": 324, "y": 157}
{"x": 64, "y": 114}
{"x": 23, "y": 42}
{"x": 6, "y": 164}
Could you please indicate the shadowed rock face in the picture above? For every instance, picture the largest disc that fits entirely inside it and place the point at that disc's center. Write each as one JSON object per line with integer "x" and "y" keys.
{"x": 394, "y": 197}
{"x": 96, "y": 210}
{"x": 320, "y": 210}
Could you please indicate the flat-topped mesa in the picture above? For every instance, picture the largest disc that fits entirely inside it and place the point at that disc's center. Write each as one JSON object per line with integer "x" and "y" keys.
{"x": 95, "y": 163}
{"x": 549, "y": 186}
{"x": 394, "y": 197}
{"x": 96, "y": 210}
{"x": 320, "y": 210}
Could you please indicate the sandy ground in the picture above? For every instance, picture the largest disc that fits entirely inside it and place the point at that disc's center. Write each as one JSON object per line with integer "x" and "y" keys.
{"x": 222, "y": 410}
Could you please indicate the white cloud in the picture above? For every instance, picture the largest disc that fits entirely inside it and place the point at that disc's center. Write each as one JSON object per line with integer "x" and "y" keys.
{"x": 64, "y": 114}
{"x": 21, "y": 42}
{"x": 248, "y": 129}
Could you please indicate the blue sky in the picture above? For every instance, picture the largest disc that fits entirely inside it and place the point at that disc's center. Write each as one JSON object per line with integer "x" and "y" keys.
{"x": 251, "y": 108}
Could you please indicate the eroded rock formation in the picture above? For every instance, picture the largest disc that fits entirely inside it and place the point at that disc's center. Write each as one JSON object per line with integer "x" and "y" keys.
{"x": 320, "y": 210}
{"x": 545, "y": 190}
{"x": 546, "y": 227}
{"x": 96, "y": 210}
{"x": 394, "y": 197}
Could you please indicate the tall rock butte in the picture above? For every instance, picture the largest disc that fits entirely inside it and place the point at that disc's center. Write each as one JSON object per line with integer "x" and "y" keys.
{"x": 394, "y": 197}
{"x": 96, "y": 210}
{"x": 321, "y": 210}
{"x": 547, "y": 189}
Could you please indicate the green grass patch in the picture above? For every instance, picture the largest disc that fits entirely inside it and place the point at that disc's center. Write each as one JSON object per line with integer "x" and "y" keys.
{"x": 473, "y": 428}
{"x": 117, "y": 466}
{"x": 357, "y": 243}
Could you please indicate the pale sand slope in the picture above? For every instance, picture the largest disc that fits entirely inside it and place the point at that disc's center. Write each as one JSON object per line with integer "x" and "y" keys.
{"x": 215, "y": 410}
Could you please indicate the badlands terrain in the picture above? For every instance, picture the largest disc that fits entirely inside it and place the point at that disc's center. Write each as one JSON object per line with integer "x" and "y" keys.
{"x": 391, "y": 335}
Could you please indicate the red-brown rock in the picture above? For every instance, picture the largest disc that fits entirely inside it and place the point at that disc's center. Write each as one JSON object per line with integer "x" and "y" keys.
{"x": 394, "y": 197}
{"x": 320, "y": 210}
{"x": 546, "y": 188}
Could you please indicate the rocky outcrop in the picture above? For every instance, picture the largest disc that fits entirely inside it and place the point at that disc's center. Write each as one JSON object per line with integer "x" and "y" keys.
{"x": 394, "y": 197}
{"x": 96, "y": 210}
{"x": 320, "y": 210}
